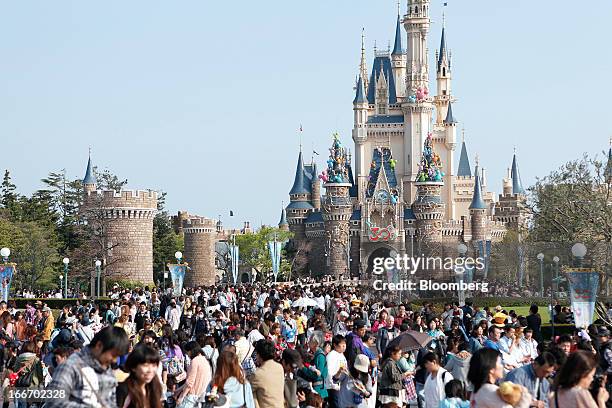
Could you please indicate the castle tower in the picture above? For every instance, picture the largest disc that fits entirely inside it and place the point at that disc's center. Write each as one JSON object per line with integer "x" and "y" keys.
{"x": 398, "y": 60}
{"x": 299, "y": 201}
{"x": 443, "y": 79}
{"x": 127, "y": 218}
{"x": 315, "y": 188}
{"x": 360, "y": 132}
{"x": 417, "y": 107}
{"x": 200, "y": 235}
{"x": 478, "y": 210}
{"x": 428, "y": 208}
{"x": 450, "y": 136}
{"x": 283, "y": 225}
{"x": 511, "y": 208}
{"x": 89, "y": 181}
{"x": 336, "y": 211}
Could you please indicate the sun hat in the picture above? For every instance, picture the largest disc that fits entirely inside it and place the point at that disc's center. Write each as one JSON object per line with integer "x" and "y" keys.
{"x": 362, "y": 363}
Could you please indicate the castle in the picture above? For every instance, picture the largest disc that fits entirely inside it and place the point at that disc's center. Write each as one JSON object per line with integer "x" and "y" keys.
{"x": 126, "y": 216}
{"x": 402, "y": 194}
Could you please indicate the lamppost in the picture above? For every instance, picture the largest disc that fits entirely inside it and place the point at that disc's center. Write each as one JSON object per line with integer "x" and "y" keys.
{"x": 541, "y": 259}
{"x": 579, "y": 251}
{"x": 178, "y": 255}
{"x": 5, "y": 252}
{"x": 65, "y": 261}
{"x": 553, "y": 287}
{"x": 462, "y": 248}
{"x": 98, "y": 265}
{"x": 61, "y": 278}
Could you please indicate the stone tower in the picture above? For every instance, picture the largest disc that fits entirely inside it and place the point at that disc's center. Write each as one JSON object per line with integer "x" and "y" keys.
{"x": 336, "y": 211}
{"x": 299, "y": 200}
{"x": 478, "y": 210}
{"x": 127, "y": 217}
{"x": 200, "y": 235}
{"x": 511, "y": 207}
{"x": 283, "y": 225}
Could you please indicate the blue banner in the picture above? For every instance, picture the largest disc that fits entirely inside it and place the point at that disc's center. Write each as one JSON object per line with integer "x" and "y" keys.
{"x": 177, "y": 274}
{"x": 235, "y": 257}
{"x": 275, "y": 256}
{"x": 6, "y": 276}
{"x": 583, "y": 285}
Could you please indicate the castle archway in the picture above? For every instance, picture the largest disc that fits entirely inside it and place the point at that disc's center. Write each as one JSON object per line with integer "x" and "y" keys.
{"x": 378, "y": 255}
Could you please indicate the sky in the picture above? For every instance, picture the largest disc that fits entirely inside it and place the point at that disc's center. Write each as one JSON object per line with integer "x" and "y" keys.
{"x": 203, "y": 100}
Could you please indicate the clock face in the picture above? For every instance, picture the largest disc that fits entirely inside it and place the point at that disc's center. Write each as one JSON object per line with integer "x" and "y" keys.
{"x": 382, "y": 196}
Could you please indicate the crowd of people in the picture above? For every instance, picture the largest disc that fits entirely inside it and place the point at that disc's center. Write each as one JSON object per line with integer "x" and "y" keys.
{"x": 302, "y": 345}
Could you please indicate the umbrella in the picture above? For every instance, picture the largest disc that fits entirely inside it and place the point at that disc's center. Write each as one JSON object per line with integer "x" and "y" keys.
{"x": 304, "y": 302}
{"x": 411, "y": 340}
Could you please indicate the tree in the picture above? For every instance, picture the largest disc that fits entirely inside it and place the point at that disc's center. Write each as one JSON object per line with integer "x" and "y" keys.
{"x": 165, "y": 241}
{"x": 254, "y": 251}
{"x": 37, "y": 257}
{"x": 10, "y": 198}
{"x": 109, "y": 181}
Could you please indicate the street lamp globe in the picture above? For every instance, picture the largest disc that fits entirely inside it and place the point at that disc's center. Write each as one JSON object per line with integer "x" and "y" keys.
{"x": 462, "y": 248}
{"x": 579, "y": 250}
{"x": 61, "y": 277}
{"x": 556, "y": 259}
{"x": 178, "y": 255}
{"x": 98, "y": 263}
{"x": 540, "y": 256}
{"x": 65, "y": 261}
{"x": 5, "y": 252}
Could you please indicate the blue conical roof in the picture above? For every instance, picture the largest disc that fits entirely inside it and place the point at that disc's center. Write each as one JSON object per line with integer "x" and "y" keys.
{"x": 450, "y": 119}
{"x": 442, "y": 49}
{"x": 89, "y": 178}
{"x": 360, "y": 92}
{"x": 298, "y": 182}
{"x": 464, "y": 169}
{"x": 517, "y": 185}
{"x": 397, "y": 47}
{"x": 477, "y": 201}
{"x": 283, "y": 218}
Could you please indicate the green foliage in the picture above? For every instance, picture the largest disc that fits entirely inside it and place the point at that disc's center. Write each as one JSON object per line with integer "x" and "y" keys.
{"x": 165, "y": 241}
{"x": 254, "y": 251}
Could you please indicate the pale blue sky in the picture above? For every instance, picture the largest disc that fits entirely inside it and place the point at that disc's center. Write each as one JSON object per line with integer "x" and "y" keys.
{"x": 203, "y": 99}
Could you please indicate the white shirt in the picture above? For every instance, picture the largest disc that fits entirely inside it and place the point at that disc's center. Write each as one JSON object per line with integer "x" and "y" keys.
{"x": 334, "y": 360}
{"x": 173, "y": 317}
{"x": 433, "y": 390}
{"x": 529, "y": 347}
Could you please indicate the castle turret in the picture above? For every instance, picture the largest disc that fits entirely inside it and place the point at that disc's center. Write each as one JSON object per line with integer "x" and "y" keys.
{"x": 450, "y": 130}
{"x": 89, "y": 181}
{"x": 315, "y": 188}
{"x": 511, "y": 208}
{"x": 398, "y": 61}
{"x": 283, "y": 225}
{"x": 337, "y": 211}
{"x": 464, "y": 169}
{"x": 517, "y": 185}
{"x": 382, "y": 94}
{"x": 478, "y": 209}
{"x": 360, "y": 131}
{"x": 507, "y": 183}
{"x": 200, "y": 235}
{"x": 443, "y": 78}
{"x": 299, "y": 204}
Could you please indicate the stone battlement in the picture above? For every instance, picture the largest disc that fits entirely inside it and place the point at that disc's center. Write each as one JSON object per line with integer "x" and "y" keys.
{"x": 125, "y": 198}
{"x": 199, "y": 224}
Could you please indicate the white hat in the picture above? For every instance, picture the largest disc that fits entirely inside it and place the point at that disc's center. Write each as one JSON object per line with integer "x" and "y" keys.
{"x": 362, "y": 363}
{"x": 344, "y": 314}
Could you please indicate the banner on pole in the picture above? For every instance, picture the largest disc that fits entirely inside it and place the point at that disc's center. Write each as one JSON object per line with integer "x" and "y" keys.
{"x": 275, "y": 256}
{"x": 235, "y": 257}
{"x": 177, "y": 274}
{"x": 6, "y": 275}
{"x": 583, "y": 285}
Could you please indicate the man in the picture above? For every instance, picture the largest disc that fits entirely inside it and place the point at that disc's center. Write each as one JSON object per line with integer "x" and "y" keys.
{"x": 291, "y": 362}
{"x": 354, "y": 343}
{"x": 534, "y": 322}
{"x": 565, "y": 343}
{"x": 86, "y": 378}
{"x": 506, "y": 343}
{"x": 492, "y": 341}
{"x": 437, "y": 377}
{"x": 289, "y": 328}
{"x": 336, "y": 365}
{"x": 269, "y": 378}
{"x": 141, "y": 316}
{"x": 173, "y": 315}
{"x": 401, "y": 315}
{"x": 447, "y": 317}
{"x": 340, "y": 326}
{"x": 534, "y": 377}
{"x": 605, "y": 350}
{"x": 244, "y": 350}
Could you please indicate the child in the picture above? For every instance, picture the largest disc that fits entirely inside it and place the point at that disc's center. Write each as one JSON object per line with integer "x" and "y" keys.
{"x": 455, "y": 395}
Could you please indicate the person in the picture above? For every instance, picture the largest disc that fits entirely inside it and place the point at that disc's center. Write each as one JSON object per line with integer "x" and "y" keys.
{"x": 573, "y": 381}
{"x": 268, "y": 381}
{"x": 492, "y": 341}
{"x": 455, "y": 395}
{"x": 534, "y": 322}
{"x": 390, "y": 383}
{"x": 534, "y": 377}
{"x": 173, "y": 315}
{"x": 198, "y": 377}
{"x": 485, "y": 370}
{"x": 86, "y": 378}
{"x": 355, "y": 385}
{"x": 476, "y": 341}
{"x": 458, "y": 364}
{"x": 564, "y": 342}
{"x": 231, "y": 381}
{"x": 49, "y": 323}
{"x": 28, "y": 365}
{"x": 320, "y": 364}
{"x": 437, "y": 378}
{"x": 291, "y": 361}
{"x": 336, "y": 362}
{"x": 528, "y": 345}
{"x": 605, "y": 350}
{"x": 142, "y": 388}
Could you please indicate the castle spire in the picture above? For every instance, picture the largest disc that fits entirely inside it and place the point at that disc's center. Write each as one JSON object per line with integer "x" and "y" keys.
{"x": 449, "y": 115}
{"x": 298, "y": 182}
{"x": 397, "y": 47}
{"x": 517, "y": 186}
{"x": 442, "y": 52}
{"x": 464, "y": 169}
{"x": 363, "y": 69}
{"x": 477, "y": 201}
{"x": 90, "y": 177}
{"x": 360, "y": 92}
{"x": 283, "y": 219}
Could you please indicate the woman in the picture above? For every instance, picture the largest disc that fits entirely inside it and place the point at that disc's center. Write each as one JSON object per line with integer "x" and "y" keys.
{"x": 30, "y": 370}
{"x": 211, "y": 352}
{"x": 198, "y": 377}
{"x": 142, "y": 389}
{"x": 20, "y": 326}
{"x": 355, "y": 386}
{"x": 477, "y": 340}
{"x": 174, "y": 361}
{"x": 230, "y": 381}
{"x": 6, "y": 321}
{"x": 435, "y": 333}
{"x": 381, "y": 321}
{"x": 458, "y": 362}
{"x": 573, "y": 382}
{"x": 390, "y": 384}
{"x": 485, "y": 370}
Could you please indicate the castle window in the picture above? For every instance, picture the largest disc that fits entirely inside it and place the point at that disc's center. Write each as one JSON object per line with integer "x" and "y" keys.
{"x": 444, "y": 92}
{"x": 444, "y": 74}
{"x": 416, "y": 9}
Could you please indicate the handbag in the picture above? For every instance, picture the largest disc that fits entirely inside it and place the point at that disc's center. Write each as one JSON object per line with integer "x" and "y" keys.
{"x": 26, "y": 380}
